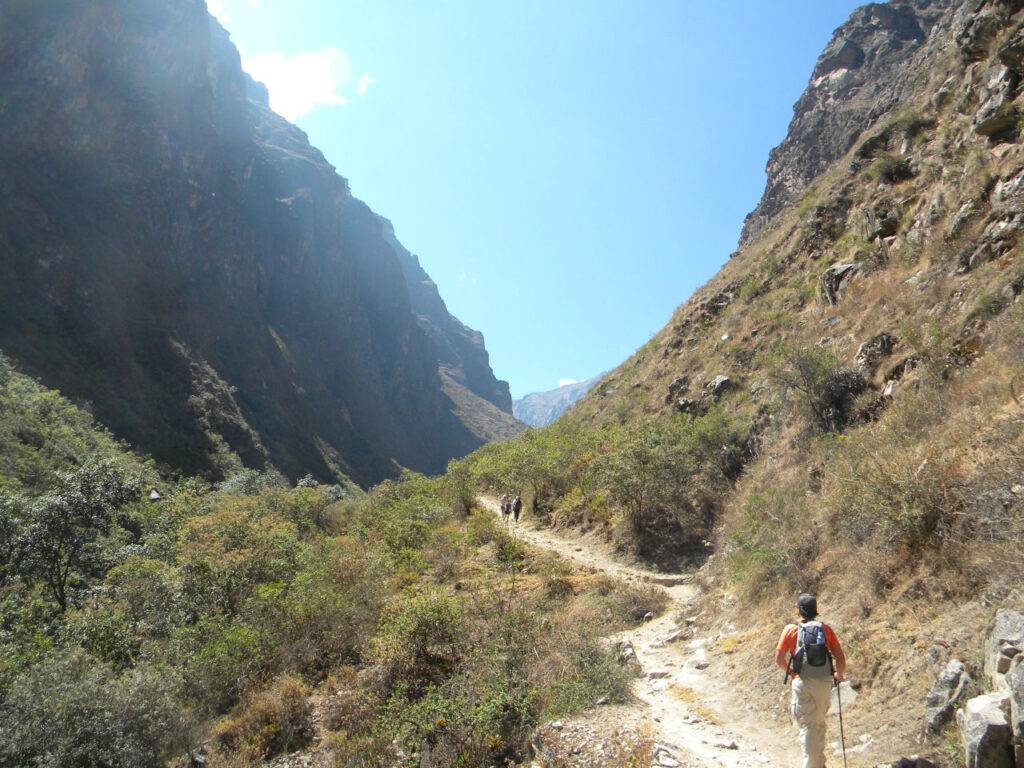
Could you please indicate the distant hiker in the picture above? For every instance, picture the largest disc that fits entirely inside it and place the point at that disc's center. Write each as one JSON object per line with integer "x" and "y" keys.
{"x": 810, "y": 653}
{"x": 517, "y": 506}
{"x": 505, "y": 506}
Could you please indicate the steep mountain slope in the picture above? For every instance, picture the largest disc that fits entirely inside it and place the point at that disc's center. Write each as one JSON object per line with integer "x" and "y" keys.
{"x": 900, "y": 213}
{"x": 177, "y": 254}
{"x": 869, "y": 334}
{"x": 540, "y": 408}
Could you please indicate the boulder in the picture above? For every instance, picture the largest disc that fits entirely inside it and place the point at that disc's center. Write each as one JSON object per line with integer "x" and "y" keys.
{"x": 996, "y": 118}
{"x": 836, "y": 279}
{"x": 946, "y": 694}
{"x": 985, "y": 729}
{"x": 848, "y": 55}
{"x": 873, "y": 350}
{"x": 718, "y": 386}
{"x": 678, "y": 387}
{"x": 687, "y": 405}
{"x": 1015, "y": 682}
{"x": 627, "y": 656}
{"x": 977, "y": 35}
{"x": 1005, "y": 642}
{"x": 1012, "y": 53}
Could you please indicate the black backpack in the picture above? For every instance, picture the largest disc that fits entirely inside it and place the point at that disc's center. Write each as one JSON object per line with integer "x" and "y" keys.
{"x": 812, "y": 658}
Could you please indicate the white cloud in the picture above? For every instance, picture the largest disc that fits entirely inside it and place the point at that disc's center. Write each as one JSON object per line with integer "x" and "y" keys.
{"x": 566, "y": 382}
{"x": 216, "y": 8}
{"x": 301, "y": 83}
{"x": 364, "y": 82}
{"x": 254, "y": 3}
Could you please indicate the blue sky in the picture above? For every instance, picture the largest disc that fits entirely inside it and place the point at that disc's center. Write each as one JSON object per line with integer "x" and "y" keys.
{"x": 568, "y": 172}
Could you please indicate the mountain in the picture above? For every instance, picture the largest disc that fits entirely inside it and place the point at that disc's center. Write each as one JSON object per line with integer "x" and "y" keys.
{"x": 179, "y": 256}
{"x": 541, "y": 408}
{"x": 890, "y": 220}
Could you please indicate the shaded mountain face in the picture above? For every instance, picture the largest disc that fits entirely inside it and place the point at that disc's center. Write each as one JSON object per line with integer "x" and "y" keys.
{"x": 178, "y": 255}
{"x": 539, "y": 409}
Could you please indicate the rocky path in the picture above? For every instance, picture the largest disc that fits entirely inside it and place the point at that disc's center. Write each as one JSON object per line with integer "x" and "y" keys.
{"x": 693, "y": 715}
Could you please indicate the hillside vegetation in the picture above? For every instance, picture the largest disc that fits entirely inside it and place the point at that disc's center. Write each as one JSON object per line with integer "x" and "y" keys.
{"x": 137, "y": 629}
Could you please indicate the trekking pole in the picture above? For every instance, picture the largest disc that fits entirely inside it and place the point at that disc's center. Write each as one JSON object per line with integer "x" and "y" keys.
{"x": 842, "y": 736}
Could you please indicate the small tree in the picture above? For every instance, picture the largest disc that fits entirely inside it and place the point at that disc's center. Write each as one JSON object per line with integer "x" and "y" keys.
{"x": 61, "y": 536}
{"x": 650, "y": 468}
{"x": 825, "y": 389}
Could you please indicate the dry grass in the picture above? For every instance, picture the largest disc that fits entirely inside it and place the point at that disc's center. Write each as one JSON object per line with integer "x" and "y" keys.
{"x": 273, "y": 721}
{"x": 694, "y": 703}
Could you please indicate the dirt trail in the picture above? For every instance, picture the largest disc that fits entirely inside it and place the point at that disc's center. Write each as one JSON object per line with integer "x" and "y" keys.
{"x": 698, "y": 720}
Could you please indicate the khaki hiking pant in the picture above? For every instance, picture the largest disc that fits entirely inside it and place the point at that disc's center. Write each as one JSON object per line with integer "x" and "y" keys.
{"x": 809, "y": 706}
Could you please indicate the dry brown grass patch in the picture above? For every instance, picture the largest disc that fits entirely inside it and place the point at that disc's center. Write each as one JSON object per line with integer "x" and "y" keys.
{"x": 694, "y": 703}
{"x": 271, "y": 722}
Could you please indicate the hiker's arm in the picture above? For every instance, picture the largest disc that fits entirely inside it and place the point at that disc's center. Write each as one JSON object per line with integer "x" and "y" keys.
{"x": 840, "y": 658}
{"x": 782, "y": 658}
{"x": 782, "y": 649}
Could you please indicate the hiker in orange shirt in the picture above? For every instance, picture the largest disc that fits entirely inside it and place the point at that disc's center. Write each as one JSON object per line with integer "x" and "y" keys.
{"x": 809, "y": 651}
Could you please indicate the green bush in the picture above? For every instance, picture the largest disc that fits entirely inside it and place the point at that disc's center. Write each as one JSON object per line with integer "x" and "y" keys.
{"x": 895, "y": 494}
{"x": 326, "y": 614}
{"x": 420, "y": 642}
{"x": 72, "y": 712}
{"x": 890, "y": 169}
{"x": 468, "y": 721}
{"x": 60, "y": 538}
{"x": 773, "y": 541}
{"x": 825, "y": 390}
{"x": 594, "y": 674}
{"x": 218, "y": 660}
{"x": 273, "y": 721}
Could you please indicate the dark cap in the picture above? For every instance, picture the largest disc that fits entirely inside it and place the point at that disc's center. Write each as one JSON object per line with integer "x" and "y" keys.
{"x": 807, "y": 605}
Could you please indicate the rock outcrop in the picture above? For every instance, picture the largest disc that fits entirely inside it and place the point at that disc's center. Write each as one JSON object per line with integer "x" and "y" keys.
{"x": 984, "y": 724}
{"x": 178, "y": 255}
{"x": 1005, "y": 643}
{"x": 946, "y": 694}
{"x": 861, "y": 75}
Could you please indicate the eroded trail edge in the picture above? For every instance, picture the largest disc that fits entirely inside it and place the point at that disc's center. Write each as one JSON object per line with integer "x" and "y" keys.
{"x": 697, "y": 717}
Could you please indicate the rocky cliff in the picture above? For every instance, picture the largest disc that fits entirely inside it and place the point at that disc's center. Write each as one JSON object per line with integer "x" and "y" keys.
{"x": 178, "y": 255}
{"x": 859, "y": 77}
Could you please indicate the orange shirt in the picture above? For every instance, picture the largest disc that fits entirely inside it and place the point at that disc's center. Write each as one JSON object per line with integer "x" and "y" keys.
{"x": 788, "y": 640}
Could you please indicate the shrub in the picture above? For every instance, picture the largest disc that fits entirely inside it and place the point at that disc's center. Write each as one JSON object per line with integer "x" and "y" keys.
{"x": 593, "y": 674}
{"x": 896, "y": 492}
{"x": 774, "y": 540}
{"x": 420, "y": 641}
{"x": 825, "y": 390}
{"x": 328, "y": 611}
{"x": 59, "y": 542}
{"x": 890, "y": 169}
{"x": 218, "y": 660}
{"x": 72, "y": 712}
{"x": 469, "y": 721}
{"x": 225, "y": 554}
{"x": 273, "y": 721}
{"x": 985, "y": 306}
